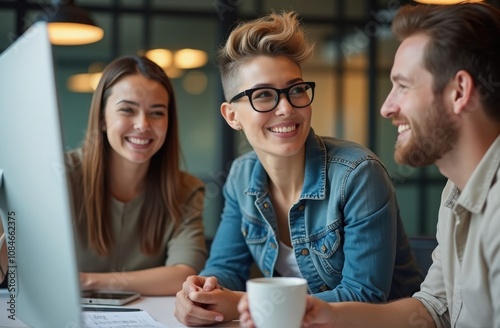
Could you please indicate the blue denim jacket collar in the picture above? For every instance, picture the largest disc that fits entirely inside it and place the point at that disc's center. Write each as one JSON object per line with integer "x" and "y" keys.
{"x": 315, "y": 172}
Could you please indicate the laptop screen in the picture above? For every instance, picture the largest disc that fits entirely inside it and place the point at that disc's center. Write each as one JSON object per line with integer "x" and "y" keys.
{"x": 34, "y": 201}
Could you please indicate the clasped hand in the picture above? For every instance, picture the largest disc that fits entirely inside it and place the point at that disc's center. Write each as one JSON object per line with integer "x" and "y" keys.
{"x": 202, "y": 301}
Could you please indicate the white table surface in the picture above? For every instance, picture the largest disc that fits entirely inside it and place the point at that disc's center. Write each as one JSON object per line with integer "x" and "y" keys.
{"x": 159, "y": 308}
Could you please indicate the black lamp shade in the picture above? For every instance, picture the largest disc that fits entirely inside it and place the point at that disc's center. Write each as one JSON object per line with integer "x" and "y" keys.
{"x": 72, "y": 25}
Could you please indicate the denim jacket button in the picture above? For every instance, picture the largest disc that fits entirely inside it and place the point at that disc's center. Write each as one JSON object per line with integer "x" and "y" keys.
{"x": 324, "y": 249}
{"x": 244, "y": 233}
{"x": 266, "y": 205}
{"x": 305, "y": 251}
{"x": 323, "y": 288}
{"x": 272, "y": 245}
{"x": 301, "y": 207}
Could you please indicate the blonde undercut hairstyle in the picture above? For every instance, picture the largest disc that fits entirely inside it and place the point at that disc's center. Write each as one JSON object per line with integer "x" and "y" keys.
{"x": 272, "y": 35}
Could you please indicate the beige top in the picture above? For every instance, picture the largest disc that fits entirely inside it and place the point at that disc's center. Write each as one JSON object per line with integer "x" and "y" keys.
{"x": 183, "y": 243}
{"x": 462, "y": 288}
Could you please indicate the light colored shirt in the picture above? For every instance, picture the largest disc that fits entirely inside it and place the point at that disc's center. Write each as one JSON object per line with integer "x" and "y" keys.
{"x": 462, "y": 288}
{"x": 286, "y": 263}
{"x": 183, "y": 242}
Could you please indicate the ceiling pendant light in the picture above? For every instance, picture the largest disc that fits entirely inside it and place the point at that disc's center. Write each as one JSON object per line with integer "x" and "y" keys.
{"x": 72, "y": 25}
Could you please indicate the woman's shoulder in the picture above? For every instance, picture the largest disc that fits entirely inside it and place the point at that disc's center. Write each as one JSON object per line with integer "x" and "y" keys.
{"x": 244, "y": 165}
{"x": 192, "y": 188}
{"x": 249, "y": 158}
{"x": 341, "y": 148}
{"x": 190, "y": 181}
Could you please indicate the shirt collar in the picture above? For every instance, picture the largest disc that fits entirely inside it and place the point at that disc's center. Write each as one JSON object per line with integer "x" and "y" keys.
{"x": 315, "y": 171}
{"x": 473, "y": 196}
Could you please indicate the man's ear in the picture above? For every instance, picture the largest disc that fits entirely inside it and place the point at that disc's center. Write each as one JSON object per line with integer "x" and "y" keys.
{"x": 227, "y": 111}
{"x": 462, "y": 93}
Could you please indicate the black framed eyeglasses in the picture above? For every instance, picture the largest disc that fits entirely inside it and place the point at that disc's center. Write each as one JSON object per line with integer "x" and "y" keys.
{"x": 265, "y": 99}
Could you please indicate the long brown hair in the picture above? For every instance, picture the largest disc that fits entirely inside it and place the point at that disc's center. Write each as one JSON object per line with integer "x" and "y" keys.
{"x": 162, "y": 179}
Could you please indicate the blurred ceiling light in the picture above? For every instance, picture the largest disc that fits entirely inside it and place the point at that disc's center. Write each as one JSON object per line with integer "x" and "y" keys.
{"x": 190, "y": 58}
{"x": 174, "y": 72}
{"x": 445, "y": 2}
{"x": 195, "y": 82}
{"x": 84, "y": 83}
{"x": 182, "y": 59}
{"x": 71, "y": 25}
{"x": 162, "y": 57}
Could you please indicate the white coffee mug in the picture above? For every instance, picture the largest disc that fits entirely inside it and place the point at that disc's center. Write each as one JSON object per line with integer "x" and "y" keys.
{"x": 277, "y": 302}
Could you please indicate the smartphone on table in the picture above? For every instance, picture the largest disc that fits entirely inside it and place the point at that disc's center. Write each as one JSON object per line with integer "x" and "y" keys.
{"x": 108, "y": 297}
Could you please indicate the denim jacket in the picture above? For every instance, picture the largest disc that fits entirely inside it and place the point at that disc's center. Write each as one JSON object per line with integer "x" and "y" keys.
{"x": 346, "y": 232}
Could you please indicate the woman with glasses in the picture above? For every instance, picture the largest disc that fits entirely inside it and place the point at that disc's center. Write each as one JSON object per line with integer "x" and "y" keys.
{"x": 298, "y": 205}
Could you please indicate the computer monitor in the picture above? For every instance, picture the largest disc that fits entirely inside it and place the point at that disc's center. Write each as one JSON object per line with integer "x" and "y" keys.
{"x": 34, "y": 195}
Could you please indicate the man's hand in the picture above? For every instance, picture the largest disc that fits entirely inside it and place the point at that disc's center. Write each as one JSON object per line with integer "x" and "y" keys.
{"x": 244, "y": 310}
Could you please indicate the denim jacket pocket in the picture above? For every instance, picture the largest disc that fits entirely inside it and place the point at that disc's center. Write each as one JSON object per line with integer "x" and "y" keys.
{"x": 255, "y": 235}
{"x": 325, "y": 245}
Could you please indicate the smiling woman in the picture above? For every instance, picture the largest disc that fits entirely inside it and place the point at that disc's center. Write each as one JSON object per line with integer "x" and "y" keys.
{"x": 299, "y": 204}
{"x": 139, "y": 217}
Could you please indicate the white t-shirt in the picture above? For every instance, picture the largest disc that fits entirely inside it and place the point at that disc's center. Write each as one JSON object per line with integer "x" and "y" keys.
{"x": 286, "y": 265}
